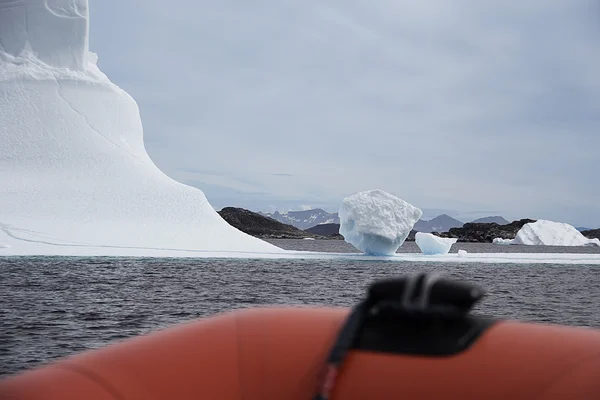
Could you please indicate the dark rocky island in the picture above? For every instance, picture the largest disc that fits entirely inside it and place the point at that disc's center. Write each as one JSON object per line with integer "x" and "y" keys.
{"x": 330, "y": 230}
{"x": 260, "y": 226}
{"x": 485, "y": 232}
{"x": 592, "y": 234}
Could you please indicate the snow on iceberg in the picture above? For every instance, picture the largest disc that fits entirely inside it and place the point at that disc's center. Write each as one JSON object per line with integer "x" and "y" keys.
{"x": 75, "y": 176}
{"x": 53, "y": 32}
{"x": 549, "y": 233}
{"x": 431, "y": 244}
{"x": 376, "y": 222}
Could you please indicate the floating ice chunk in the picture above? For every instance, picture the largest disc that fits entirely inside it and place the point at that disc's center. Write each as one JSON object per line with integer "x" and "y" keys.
{"x": 549, "y": 233}
{"x": 431, "y": 244}
{"x": 462, "y": 253}
{"x": 376, "y": 222}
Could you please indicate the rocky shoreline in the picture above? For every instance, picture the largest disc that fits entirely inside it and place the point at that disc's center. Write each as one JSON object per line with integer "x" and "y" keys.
{"x": 264, "y": 227}
{"x": 485, "y": 232}
{"x": 591, "y": 234}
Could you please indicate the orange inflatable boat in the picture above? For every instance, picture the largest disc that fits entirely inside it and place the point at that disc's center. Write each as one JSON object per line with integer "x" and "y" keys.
{"x": 410, "y": 338}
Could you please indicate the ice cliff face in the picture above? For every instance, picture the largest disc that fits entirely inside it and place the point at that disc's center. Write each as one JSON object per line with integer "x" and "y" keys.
{"x": 75, "y": 178}
{"x": 55, "y": 32}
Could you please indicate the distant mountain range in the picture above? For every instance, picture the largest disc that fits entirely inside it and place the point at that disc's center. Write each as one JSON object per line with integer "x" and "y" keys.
{"x": 307, "y": 219}
{"x": 304, "y": 219}
{"x": 491, "y": 220}
{"x": 441, "y": 223}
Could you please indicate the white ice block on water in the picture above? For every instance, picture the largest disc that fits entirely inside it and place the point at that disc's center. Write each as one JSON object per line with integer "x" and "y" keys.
{"x": 549, "y": 233}
{"x": 75, "y": 178}
{"x": 377, "y": 222}
{"x": 431, "y": 244}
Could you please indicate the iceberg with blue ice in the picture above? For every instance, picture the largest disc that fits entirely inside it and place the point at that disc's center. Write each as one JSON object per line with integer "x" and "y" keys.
{"x": 376, "y": 222}
{"x": 548, "y": 233}
{"x": 433, "y": 245}
{"x": 75, "y": 178}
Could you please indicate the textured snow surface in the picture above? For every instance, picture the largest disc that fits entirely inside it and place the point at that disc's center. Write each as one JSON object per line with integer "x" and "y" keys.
{"x": 75, "y": 176}
{"x": 431, "y": 244}
{"x": 376, "y": 222}
{"x": 549, "y": 233}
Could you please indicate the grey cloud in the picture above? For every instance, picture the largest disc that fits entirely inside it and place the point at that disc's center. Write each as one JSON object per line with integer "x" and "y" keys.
{"x": 447, "y": 104}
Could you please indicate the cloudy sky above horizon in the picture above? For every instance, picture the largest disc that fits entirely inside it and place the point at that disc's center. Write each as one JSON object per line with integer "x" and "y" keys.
{"x": 490, "y": 107}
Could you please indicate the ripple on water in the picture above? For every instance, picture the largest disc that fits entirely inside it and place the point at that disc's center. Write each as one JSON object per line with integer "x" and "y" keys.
{"x": 53, "y": 307}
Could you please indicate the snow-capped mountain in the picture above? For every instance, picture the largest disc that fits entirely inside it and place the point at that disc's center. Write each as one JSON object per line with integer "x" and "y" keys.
{"x": 304, "y": 219}
{"x": 308, "y": 218}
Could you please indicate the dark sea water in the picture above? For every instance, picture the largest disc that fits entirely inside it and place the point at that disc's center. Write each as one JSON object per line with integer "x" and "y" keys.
{"x": 51, "y": 307}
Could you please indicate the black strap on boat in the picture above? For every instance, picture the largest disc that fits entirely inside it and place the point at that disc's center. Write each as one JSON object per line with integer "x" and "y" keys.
{"x": 409, "y": 296}
{"x": 340, "y": 349}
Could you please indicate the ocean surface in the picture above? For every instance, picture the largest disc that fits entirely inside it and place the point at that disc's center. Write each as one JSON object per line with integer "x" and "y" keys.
{"x": 51, "y": 307}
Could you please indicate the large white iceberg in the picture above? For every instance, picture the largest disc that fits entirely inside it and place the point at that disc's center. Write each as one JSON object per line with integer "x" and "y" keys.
{"x": 549, "y": 233}
{"x": 377, "y": 222}
{"x": 431, "y": 244}
{"x": 75, "y": 178}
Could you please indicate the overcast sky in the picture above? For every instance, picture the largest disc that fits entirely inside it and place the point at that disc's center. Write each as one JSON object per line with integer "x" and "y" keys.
{"x": 477, "y": 106}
